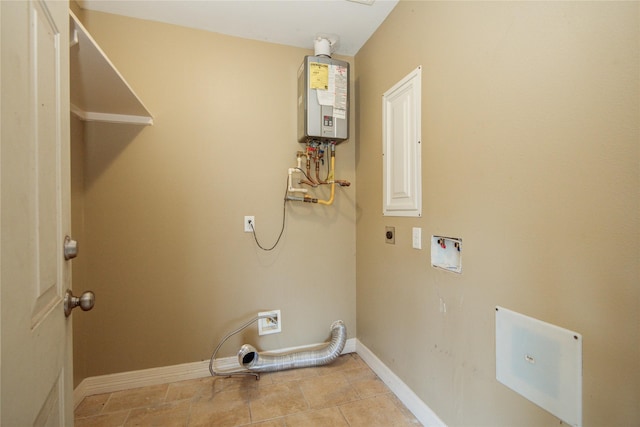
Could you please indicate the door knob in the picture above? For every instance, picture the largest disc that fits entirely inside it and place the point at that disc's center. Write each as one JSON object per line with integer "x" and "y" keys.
{"x": 85, "y": 301}
{"x": 70, "y": 248}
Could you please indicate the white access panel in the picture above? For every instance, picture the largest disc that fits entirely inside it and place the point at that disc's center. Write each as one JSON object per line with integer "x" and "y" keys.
{"x": 542, "y": 362}
{"x": 401, "y": 152}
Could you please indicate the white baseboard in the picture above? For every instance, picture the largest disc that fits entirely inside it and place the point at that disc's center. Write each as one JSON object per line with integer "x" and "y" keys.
{"x": 188, "y": 371}
{"x": 167, "y": 374}
{"x": 142, "y": 378}
{"x": 420, "y": 410}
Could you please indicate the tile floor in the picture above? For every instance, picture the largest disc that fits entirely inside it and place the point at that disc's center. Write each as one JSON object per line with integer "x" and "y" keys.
{"x": 345, "y": 393}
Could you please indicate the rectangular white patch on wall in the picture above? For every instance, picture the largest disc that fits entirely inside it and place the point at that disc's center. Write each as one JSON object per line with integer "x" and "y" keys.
{"x": 542, "y": 362}
{"x": 401, "y": 140}
{"x": 446, "y": 253}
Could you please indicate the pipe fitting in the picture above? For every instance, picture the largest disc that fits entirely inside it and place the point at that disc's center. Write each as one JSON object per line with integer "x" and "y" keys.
{"x": 290, "y": 187}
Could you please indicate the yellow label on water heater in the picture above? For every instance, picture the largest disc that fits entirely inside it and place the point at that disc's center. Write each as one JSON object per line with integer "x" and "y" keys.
{"x": 318, "y": 76}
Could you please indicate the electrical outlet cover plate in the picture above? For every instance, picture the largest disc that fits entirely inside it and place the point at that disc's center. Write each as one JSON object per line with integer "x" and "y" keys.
{"x": 248, "y": 222}
{"x": 268, "y": 325}
{"x": 390, "y": 235}
{"x": 416, "y": 235}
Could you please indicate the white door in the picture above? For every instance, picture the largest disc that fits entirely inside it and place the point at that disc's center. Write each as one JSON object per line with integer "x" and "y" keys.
{"x": 36, "y": 367}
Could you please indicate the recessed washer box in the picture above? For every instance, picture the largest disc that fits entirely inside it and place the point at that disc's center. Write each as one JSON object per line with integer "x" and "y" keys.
{"x": 446, "y": 253}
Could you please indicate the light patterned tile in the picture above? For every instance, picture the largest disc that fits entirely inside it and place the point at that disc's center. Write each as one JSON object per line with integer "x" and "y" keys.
{"x": 358, "y": 374}
{"x": 91, "y": 405}
{"x": 407, "y": 413}
{"x": 223, "y": 409}
{"x": 136, "y": 398}
{"x": 228, "y": 388}
{"x": 345, "y": 361}
{"x": 276, "y": 401}
{"x": 344, "y": 393}
{"x": 230, "y": 417}
{"x": 318, "y": 418}
{"x": 113, "y": 419}
{"x": 377, "y": 411}
{"x": 370, "y": 387}
{"x": 328, "y": 390}
{"x": 231, "y": 397}
{"x": 173, "y": 414}
{"x": 291, "y": 375}
{"x": 278, "y": 422}
{"x": 186, "y": 389}
{"x": 366, "y": 382}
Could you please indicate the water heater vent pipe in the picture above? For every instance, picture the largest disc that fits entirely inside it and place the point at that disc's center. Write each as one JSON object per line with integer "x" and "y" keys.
{"x": 325, "y": 44}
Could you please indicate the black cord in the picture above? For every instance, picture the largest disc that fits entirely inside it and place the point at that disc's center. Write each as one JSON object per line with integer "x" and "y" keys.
{"x": 306, "y": 176}
{"x": 284, "y": 216}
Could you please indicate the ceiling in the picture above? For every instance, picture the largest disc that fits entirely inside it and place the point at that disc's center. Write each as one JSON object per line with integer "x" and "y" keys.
{"x": 288, "y": 22}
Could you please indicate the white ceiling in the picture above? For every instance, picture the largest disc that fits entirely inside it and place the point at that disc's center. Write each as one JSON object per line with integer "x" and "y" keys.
{"x": 289, "y": 22}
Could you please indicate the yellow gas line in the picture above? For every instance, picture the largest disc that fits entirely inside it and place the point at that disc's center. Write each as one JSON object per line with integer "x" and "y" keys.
{"x": 332, "y": 180}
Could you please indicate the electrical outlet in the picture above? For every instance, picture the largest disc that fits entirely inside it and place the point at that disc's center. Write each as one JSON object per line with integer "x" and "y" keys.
{"x": 272, "y": 324}
{"x": 390, "y": 235}
{"x": 248, "y": 222}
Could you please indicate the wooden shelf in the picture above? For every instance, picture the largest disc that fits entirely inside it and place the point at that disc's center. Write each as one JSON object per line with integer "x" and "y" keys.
{"x": 98, "y": 90}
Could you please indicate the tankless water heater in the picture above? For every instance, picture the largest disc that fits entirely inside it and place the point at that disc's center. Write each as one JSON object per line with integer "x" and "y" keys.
{"x": 323, "y": 99}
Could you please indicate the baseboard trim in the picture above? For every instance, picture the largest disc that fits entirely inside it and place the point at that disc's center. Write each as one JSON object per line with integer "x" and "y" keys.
{"x": 188, "y": 371}
{"x": 167, "y": 374}
{"x": 418, "y": 408}
{"x": 142, "y": 378}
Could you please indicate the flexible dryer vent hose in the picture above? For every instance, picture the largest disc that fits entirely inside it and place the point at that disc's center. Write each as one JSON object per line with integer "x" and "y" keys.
{"x": 250, "y": 359}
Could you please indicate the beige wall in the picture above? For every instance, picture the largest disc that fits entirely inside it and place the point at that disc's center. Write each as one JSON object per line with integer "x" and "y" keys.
{"x": 164, "y": 248}
{"x": 530, "y": 153}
